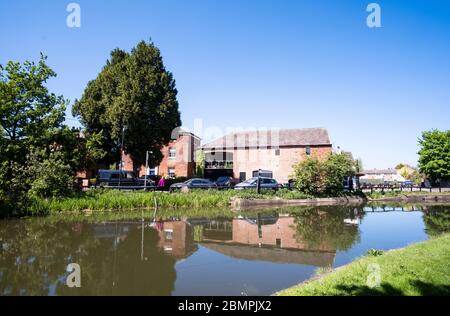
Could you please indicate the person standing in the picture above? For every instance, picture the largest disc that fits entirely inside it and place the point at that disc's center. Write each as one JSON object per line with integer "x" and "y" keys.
{"x": 161, "y": 184}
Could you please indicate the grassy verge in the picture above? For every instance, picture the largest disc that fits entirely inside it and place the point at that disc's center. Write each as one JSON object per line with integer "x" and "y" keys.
{"x": 97, "y": 200}
{"x": 420, "y": 269}
{"x": 107, "y": 200}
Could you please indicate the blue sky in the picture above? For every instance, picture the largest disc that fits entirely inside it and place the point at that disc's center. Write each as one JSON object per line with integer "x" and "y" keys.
{"x": 264, "y": 63}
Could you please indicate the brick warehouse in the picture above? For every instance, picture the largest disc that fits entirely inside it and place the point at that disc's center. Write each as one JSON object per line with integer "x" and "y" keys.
{"x": 178, "y": 157}
{"x": 242, "y": 154}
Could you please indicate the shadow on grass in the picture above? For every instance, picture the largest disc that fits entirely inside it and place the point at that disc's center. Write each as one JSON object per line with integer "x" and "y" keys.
{"x": 425, "y": 289}
{"x": 432, "y": 289}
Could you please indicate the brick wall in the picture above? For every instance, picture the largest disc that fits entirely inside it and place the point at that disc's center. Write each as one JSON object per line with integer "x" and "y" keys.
{"x": 249, "y": 160}
{"x": 183, "y": 162}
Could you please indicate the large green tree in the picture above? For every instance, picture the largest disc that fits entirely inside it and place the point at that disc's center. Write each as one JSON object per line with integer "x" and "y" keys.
{"x": 34, "y": 142}
{"x": 133, "y": 93}
{"x": 434, "y": 154}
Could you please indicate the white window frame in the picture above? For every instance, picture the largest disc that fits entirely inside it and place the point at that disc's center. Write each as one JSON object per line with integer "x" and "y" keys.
{"x": 172, "y": 152}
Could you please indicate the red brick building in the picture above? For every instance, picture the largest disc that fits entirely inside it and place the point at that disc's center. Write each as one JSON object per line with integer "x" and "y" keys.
{"x": 178, "y": 158}
{"x": 242, "y": 154}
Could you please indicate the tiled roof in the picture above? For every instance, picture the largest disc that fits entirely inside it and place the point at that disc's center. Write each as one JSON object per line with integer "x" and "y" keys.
{"x": 272, "y": 138}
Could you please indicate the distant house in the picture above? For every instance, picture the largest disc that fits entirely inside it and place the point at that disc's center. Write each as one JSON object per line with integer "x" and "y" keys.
{"x": 178, "y": 157}
{"x": 240, "y": 155}
{"x": 380, "y": 175}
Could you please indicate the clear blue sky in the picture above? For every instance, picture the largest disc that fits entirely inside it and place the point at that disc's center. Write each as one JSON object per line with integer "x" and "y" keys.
{"x": 265, "y": 63}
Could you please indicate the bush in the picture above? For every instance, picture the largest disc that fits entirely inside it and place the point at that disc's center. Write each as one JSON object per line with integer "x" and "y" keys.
{"x": 309, "y": 176}
{"x": 13, "y": 198}
{"x": 316, "y": 177}
{"x": 336, "y": 167}
{"x": 51, "y": 177}
{"x": 375, "y": 252}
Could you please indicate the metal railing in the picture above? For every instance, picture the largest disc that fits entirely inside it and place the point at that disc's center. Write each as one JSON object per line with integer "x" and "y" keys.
{"x": 219, "y": 164}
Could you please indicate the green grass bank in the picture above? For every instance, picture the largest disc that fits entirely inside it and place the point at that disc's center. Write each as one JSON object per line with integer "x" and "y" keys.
{"x": 419, "y": 269}
{"x": 107, "y": 200}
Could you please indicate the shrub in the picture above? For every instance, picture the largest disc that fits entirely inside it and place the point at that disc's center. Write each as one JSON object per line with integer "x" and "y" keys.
{"x": 309, "y": 176}
{"x": 51, "y": 176}
{"x": 375, "y": 252}
{"x": 315, "y": 177}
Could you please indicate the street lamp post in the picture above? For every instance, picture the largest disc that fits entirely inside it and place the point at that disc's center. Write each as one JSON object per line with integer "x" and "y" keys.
{"x": 121, "y": 156}
{"x": 146, "y": 169}
{"x": 258, "y": 183}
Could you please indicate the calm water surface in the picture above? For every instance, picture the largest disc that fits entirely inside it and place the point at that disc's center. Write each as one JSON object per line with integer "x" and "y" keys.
{"x": 254, "y": 255}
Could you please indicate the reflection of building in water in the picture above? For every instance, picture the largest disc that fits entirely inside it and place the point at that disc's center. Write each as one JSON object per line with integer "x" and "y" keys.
{"x": 116, "y": 231}
{"x": 271, "y": 239}
{"x": 280, "y": 234}
{"x": 176, "y": 238}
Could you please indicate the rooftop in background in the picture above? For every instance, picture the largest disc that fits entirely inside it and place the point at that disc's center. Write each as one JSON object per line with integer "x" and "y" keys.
{"x": 272, "y": 138}
{"x": 179, "y": 131}
{"x": 379, "y": 171}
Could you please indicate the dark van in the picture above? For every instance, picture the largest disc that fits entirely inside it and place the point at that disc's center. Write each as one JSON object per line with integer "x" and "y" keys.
{"x": 113, "y": 177}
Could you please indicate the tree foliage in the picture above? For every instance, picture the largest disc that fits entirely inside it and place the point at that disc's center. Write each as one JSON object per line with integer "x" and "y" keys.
{"x": 31, "y": 122}
{"x": 434, "y": 154}
{"x": 200, "y": 163}
{"x": 309, "y": 176}
{"x": 133, "y": 91}
{"x": 317, "y": 177}
{"x": 325, "y": 228}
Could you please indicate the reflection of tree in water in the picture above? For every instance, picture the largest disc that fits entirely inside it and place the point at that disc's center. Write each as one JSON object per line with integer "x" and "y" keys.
{"x": 436, "y": 219}
{"x": 34, "y": 255}
{"x": 324, "y": 227}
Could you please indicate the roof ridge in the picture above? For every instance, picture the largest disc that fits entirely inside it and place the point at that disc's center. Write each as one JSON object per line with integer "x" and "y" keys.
{"x": 289, "y": 137}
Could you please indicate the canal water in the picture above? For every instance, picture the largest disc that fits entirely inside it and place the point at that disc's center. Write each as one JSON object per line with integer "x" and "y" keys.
{"x": 253, "y": 254}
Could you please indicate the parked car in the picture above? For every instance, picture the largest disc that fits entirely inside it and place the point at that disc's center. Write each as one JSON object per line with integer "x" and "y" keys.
{"x": 150, "y": 183}
{"x": 266, "y": 183}
{"x": 225, "y": 182}
{"x": 195, "y": 183}
{"x": 407, "y": 184}
{"x": 426, "y": 184}
{"x": 113, "y": 177}
{"x": 289, "y": 185}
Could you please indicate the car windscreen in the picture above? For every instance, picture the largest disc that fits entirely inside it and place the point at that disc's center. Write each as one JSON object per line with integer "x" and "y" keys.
{"x": 103, "y": 175}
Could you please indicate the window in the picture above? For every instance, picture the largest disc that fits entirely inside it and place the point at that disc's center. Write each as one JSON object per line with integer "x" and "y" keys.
{"x": 151, "y": 172}
{"x": 308, "y": 151}
{"x": 168, "y": 234}
{"x": 278, "y": 243}
{"x": 277, "y": 152}
{"x": 172, "y": 172}
{"x": 172, "y": 153}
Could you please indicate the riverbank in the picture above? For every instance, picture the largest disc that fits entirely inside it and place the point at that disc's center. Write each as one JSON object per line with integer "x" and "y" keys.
{"x": 358, "y": 199}
{"x": 419, "y": 269}
{"x": 113, "y": 200}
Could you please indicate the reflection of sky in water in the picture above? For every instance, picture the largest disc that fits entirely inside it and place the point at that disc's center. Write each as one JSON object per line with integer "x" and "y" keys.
{"x": 388, "y": 230}
{"x": 211, "y": 273}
